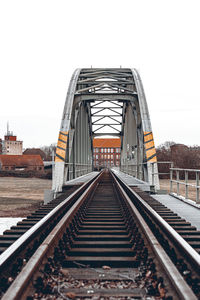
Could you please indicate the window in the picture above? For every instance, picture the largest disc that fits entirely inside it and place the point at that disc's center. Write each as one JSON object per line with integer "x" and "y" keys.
{"x": 105, "y": 156}
{"x": 111, "y": 150}
{"x": 97, "y": 150}
{"x": 111, "y": 156}
{"x": 105, "y": 150}
{"x": 108, "y": 150}
{"x": 96, "y": 156}
{"x": 108, "y": 156}
{"x": 101, "y": 150}
{"x": 117, "y": 156}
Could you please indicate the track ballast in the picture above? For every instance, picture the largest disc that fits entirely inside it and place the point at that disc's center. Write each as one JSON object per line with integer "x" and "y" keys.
{"x": 102, "y": 247}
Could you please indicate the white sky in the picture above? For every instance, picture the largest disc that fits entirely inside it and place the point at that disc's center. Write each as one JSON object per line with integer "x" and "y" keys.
{"x": 42, "y": 42}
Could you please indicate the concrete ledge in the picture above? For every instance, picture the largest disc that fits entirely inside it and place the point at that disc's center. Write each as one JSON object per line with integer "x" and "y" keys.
{"x": 188, "y": 201}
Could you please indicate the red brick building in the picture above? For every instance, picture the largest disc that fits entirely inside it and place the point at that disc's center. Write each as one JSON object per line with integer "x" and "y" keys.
{"x": 106, "y": 152}
{"x": 21, "y": 163}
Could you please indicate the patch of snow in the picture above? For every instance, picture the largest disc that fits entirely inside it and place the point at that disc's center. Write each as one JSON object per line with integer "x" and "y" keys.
{"x": 6, "y": 223}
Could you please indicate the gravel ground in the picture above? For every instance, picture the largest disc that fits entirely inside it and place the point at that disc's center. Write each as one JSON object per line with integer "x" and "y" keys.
{"x": 62, "y": 284}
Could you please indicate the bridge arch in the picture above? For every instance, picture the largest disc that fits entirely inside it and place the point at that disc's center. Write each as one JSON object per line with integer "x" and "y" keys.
{"x": 105, "y": 102}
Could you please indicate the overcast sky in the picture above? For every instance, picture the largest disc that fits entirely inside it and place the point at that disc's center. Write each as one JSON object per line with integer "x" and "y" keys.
{"x": 42, "y": 42}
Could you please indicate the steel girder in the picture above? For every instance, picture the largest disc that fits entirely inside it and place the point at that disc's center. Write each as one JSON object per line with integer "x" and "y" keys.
{"x": 99, "y": 102}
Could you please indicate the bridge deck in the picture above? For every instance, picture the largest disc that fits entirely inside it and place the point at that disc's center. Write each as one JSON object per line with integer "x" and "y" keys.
{"x": 132, "y": 181}
{"x": 82, "y": 179}
{"x": 129, "y": 180}
{"x": 183, "y": 209}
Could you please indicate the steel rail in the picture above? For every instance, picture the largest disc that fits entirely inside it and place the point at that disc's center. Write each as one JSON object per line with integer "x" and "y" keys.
{"x": 193, "y": 256}
{"x": 28, "y": 236}
{"x": 18, "y": 289}
{"x": 180, "y": 285}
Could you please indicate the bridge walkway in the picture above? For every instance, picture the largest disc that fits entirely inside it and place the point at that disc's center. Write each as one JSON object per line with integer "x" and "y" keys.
{"x": 183, "y": 209}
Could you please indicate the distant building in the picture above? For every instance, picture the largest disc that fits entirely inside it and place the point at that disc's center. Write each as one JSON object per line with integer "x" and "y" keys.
{"x": 106, "y": 152}
{"x": 35, "y": 151}
{"x": 10, "y": 145}
{"x": 21, "y": 163}
{"x": 0, "y": 146}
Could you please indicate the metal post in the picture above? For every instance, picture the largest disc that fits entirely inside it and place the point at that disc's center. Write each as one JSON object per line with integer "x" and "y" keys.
{"x": 171, "y": 180}
{"x": 197, "y": 187}
{"x": 177, "y": 183}
{"x": 186, "y": 185}
{"x": 152, "y": 166}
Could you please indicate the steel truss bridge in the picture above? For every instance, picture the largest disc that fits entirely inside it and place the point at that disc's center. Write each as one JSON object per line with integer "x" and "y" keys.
{"x": 105, "y": 102}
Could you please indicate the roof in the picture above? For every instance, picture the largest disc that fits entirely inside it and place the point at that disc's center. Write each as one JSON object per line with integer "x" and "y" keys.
{"x": 107, "y": 143}
{"x": 21, "y": 160}
{"x": 34, "y": 151}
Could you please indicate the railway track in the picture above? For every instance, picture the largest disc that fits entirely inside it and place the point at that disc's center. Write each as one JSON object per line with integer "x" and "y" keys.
{"x": 108, "y": 243}
{"x": 188, "y": 232}
{"x": 15, "y": 232}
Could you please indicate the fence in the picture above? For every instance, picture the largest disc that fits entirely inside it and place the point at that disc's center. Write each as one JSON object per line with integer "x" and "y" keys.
{"x": 175, "y": 172}
{"x": 137, "y": 170}
{"x": 133, "y": 170}
{"x": 77, "y": 169}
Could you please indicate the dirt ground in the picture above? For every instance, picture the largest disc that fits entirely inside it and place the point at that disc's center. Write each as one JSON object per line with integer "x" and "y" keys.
{"x": 21, "y": 196}
{"x": 165, "y": 185}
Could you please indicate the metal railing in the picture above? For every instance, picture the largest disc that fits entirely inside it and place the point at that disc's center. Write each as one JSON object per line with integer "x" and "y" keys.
{"x": 178, "y": 182}
{"x": 78, "y": 169}
{"x": 133, "y": 170}
{"x": 137, "y": 171}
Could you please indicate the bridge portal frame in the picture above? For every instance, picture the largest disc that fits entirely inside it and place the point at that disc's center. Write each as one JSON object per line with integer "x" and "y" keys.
{"x": 108, "y": 94}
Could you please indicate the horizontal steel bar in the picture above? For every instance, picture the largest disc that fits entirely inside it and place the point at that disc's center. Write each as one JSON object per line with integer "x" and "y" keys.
{"x": 106, "y": 133}
{"x": 127, "y": 82}
{"x": 107, "y": 107}
{"x": 114, "y": 116}
{"x": 107, "y": 124}
{"x": 189, "y": 170}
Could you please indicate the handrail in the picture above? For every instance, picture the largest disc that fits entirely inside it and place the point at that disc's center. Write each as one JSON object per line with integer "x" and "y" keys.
{"x": 134, "y": 169}
{"x": 185, "y": 182}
